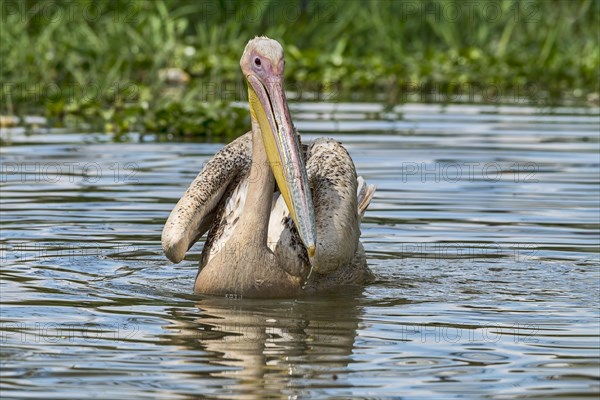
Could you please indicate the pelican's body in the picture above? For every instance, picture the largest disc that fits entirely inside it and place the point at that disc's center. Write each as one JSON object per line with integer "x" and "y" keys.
{"x": 283, "y": 220}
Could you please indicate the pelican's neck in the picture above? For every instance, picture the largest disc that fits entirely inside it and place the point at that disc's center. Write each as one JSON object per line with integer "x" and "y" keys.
{"x": 257, "y": 208}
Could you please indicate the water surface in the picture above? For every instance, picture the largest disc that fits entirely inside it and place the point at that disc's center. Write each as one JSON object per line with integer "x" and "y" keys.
{"x": 483, "y": 235}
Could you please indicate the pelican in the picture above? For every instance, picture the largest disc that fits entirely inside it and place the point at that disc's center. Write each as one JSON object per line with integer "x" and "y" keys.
{"x": 283, "y": 219}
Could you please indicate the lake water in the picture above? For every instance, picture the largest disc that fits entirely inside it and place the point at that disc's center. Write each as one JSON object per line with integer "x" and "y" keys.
{"x": 483, "y": 235}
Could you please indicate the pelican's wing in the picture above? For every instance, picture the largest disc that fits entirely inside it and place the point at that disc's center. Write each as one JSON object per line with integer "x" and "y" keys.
{"x": 195, "y": 212}
{"x": 340, "y": 198}
{"x": 336, "y": 189}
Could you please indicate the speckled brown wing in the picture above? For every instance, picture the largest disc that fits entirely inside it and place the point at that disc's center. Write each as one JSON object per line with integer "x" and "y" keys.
{"x": 195, "y": 212}
{"x": 333, "y": 181}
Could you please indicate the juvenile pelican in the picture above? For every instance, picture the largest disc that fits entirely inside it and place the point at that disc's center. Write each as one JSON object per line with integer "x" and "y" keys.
{"x": 283, "y": 219}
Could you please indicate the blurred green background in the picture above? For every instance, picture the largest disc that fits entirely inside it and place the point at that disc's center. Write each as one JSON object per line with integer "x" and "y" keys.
{"x": 172, "y": 66}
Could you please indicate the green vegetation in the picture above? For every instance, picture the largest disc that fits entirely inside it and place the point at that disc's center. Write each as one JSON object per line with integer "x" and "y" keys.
{"x": 172, "y": 66}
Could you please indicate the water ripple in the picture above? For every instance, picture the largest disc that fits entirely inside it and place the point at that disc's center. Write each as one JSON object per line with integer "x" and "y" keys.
{"x": 483, "y": 235}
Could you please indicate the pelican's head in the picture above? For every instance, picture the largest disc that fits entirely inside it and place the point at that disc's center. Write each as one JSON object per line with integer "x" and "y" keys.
{"x": 262, "y": 64}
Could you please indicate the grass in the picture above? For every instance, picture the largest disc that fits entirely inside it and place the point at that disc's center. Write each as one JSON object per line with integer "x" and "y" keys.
{"x": 172, "y": 66}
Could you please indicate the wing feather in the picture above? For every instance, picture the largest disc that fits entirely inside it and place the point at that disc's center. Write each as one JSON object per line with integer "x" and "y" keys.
{"x": 332, "y": 177}
{"x": 195, "y": 212}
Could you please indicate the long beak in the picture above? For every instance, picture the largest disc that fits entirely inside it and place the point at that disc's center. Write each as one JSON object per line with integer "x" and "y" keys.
{"x": 269, "y": 107}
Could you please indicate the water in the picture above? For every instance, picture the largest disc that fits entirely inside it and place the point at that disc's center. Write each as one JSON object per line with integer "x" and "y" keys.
{"x": 483, "y": 235}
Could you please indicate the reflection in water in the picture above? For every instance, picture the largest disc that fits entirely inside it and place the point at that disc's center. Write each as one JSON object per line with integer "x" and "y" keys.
{"x": 483, "y": 235}
{"x": 261, "y": 344}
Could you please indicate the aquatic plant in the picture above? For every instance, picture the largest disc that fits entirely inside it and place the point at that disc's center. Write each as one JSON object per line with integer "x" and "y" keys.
{"x": 128, "y": 64}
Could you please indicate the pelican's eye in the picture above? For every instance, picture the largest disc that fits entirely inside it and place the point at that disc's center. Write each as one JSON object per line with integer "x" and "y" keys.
{"x": 257, "y": 61}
